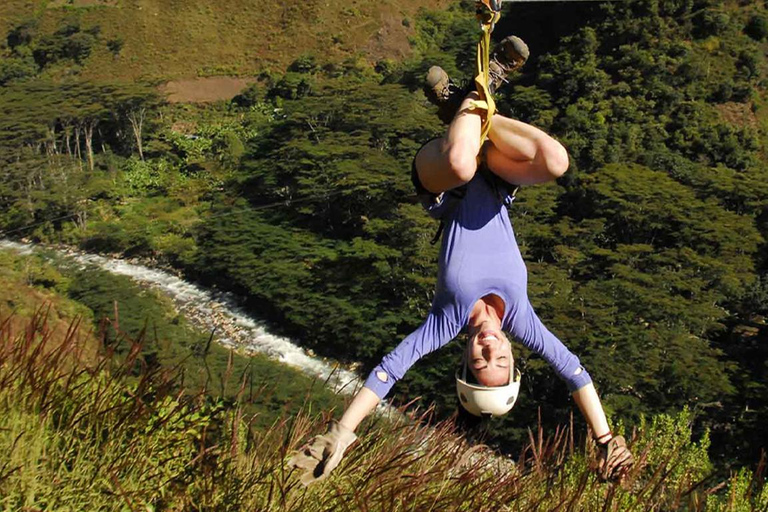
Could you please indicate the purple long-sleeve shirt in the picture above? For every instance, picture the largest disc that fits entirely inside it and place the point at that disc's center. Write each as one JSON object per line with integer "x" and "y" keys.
{"x": 479, "y": 256}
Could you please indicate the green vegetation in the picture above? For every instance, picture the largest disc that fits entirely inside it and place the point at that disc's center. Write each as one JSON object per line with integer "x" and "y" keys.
{"x": 114, "y": 310}
{"x": 647, "y": 258}
{"x": 83, "y": 436}
{"x": 169, "y": 341}
{"x": 155, "y": 39}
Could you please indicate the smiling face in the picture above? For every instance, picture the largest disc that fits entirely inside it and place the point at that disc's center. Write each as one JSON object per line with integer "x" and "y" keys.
{"x": 489, "y": 356}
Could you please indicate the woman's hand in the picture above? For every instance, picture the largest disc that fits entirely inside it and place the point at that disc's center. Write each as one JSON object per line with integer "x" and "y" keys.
{"x": 321, "y": 455}
{"x": 614, "y": 459}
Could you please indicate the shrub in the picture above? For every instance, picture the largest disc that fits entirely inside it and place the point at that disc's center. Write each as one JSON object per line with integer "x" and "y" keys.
{"x": 304, "y": 64}
{"x": 291, "y": 86}
{"x": 711, "y": 23}
{"x": 22, "y": 34}
{"x": 115, "y": 46}
{"x": 248, "y": 97}
{"x": 143, "y": 177}
{"x": 16, "y": 68}
{"x": 757, "y": 27}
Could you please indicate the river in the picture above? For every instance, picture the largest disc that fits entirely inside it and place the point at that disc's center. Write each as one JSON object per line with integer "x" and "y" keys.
{"x": 217, "y": 311}
{"x": 214, "y": 311}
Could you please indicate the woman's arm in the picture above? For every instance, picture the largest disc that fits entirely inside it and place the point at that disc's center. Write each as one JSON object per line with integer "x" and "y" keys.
{"x": 614, "y": 458}
{"x": 364, "y": 403}
{"x": 323, "y": 453}
{"x": 589, "y": 404}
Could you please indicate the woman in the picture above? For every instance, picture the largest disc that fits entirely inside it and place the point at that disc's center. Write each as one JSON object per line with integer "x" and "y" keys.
{"x": 481, "y": 277}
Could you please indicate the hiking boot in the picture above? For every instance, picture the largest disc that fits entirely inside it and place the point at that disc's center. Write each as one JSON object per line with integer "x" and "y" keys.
{"x": 443, "y": 93}
{"x": 508, "y": 56}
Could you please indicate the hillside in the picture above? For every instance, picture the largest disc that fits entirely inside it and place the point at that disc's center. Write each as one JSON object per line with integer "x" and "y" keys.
{"x": 110, "y": 434}
{"x": 31, "y": 288}
{"x": 107, "y": 315}
{"x": 648, "y": 257}
{"x": 167, "y": 39}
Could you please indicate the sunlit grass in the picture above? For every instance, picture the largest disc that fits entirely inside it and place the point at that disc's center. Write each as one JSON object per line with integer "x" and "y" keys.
{"x": 109, "y": 434}
{"x": 167, "y": 40}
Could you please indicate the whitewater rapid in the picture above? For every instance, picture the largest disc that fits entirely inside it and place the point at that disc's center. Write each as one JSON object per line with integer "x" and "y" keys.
{"x": 217, "y": 312}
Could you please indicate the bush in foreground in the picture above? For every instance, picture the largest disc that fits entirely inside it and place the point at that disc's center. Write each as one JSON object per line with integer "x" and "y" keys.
{"x": 92, "y": 435}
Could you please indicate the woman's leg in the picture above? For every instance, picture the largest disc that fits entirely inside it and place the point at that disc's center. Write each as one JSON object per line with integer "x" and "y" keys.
{"x": 522, "y": 154}
{"x": 451, "y": 161}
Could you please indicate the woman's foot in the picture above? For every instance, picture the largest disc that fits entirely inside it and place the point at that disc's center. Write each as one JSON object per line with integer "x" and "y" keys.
{"x": 443, "y": 93}
{"x": 508, "y": 56}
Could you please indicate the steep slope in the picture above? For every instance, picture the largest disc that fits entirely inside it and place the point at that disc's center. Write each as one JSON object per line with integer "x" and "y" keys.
{"x": 152, "y": 39}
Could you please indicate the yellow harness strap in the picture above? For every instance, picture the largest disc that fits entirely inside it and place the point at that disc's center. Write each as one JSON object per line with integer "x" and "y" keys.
{"x": 488, "y": 16}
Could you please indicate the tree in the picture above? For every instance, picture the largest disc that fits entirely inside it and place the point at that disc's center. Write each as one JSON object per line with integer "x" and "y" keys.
{"x": 757, "y": 27}
{"x": 134, "y": 103}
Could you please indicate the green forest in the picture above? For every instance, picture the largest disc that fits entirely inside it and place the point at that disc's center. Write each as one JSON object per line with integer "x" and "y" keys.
{"x": 647, "y": 258}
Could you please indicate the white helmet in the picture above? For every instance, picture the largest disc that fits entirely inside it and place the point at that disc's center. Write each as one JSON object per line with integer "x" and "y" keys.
{"x": 483, "y": 400}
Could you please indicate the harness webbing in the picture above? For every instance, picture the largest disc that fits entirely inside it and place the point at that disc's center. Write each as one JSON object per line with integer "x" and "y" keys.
{"x": 488, "y": 13}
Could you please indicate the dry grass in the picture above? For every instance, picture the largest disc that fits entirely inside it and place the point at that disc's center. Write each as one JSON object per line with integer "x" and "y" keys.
{"x": 171, "y": 39}
{"x": 111, "y": 435}
{"x": 20, "y": 298}
{"x": 738, "y": 114}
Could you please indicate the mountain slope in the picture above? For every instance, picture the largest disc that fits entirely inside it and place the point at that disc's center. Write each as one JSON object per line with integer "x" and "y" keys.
{"x": 186, "y": 38}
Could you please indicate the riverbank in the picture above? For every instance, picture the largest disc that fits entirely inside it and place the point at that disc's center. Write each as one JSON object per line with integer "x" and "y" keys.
{"x": 212, "y": 311}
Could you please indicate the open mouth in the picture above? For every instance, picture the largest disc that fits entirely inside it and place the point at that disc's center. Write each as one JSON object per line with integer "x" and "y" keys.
{"x": 487, "y": 336}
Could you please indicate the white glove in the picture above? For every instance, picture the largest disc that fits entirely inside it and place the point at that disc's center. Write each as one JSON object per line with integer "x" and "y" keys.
{"x": 321, "y": 455}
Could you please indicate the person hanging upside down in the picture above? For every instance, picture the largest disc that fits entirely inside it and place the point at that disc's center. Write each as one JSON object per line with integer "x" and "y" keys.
{"x": 482, "y": 279}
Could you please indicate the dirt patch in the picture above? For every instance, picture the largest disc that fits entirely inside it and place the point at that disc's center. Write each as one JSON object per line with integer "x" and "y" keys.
{"x": 738, "y": 114}
{"x": 391, "y": 38}
{"x": 204, "y": 90}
